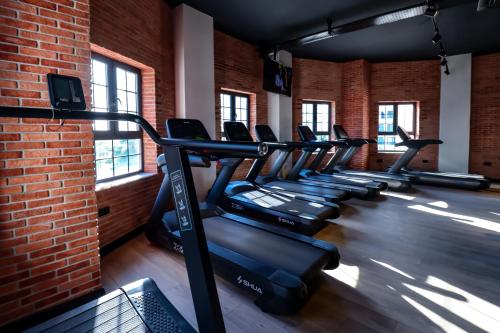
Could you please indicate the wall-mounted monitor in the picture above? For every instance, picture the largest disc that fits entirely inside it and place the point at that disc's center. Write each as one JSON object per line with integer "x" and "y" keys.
{"x": 277, "y": 78}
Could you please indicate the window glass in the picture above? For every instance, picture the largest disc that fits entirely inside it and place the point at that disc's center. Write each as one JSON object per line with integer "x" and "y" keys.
{"x": 234, "y": 107}
{"x": 99, "y": 92}
{"x": 316, "y": 115}
{"x": 390, "y": 116}
{"x": 118, "y": 145}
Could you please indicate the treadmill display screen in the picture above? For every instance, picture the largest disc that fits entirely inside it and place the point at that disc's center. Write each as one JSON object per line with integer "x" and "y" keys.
{"x": 191, "y": 129}
{"x": 306, "y": 134}
{"x": 236, "y": 131}
{"x": 265, "y": 133}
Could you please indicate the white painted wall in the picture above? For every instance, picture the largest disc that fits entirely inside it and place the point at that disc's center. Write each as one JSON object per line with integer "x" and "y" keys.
{"x": 280, "y": 111}
{"x": 454, "y": 116}
{"x": 194, "y": 77}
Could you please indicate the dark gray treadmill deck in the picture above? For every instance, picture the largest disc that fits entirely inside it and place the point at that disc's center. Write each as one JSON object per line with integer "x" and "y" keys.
{"x": 290, "y": 255}
{"x": 305, "y": 188}
{"x": 281, "y": 203}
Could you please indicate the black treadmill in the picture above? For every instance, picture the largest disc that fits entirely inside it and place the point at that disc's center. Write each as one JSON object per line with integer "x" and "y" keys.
{"x": 278, "y": 267}
{"x": 236, "y": 131}
{"x": 358, "y": 187}
{"x": 339, "y": 163}
{"x": 447, "y": 179}
{"x": 292, "y": 211}
{"x": 140, "y": 306}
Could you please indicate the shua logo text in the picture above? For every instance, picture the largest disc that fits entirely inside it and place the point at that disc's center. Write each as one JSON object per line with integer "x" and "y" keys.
{"x": 248, "y": 284}
{"x": 287, "y": 221}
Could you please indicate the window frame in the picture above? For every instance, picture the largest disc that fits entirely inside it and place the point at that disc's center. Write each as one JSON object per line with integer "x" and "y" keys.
{"x": 315, "y": 116}
{"x": 113, "y": 133}
{"x": 232, "y": 109}
{"x": 395, "y": 107}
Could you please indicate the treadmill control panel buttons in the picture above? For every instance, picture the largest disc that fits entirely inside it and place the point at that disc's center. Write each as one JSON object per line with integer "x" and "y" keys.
{"x": 181, "y": 200}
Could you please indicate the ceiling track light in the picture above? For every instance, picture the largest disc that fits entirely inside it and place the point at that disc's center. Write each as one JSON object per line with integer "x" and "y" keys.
{"x": 447, "y": 70}
{"x": 437, "y": 38}
{"x": 444, "y": 62}
{"x": 431, "y": 10}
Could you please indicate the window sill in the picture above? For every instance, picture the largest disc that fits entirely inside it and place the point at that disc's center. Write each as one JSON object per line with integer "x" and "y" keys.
{"x": 391, "y": 152}
{"x": 122, "y": 181}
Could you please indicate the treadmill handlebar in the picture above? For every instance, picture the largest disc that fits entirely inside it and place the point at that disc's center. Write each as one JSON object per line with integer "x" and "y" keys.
{"x": 247, "y": 149}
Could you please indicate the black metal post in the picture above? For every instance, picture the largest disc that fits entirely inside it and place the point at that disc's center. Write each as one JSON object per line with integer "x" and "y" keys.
{"x": 199, "y": 268}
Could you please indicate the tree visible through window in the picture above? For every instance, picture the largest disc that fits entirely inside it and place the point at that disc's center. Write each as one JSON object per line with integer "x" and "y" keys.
{"x": 317, "y": 116}
{"x": 233, "y": 107}
{"x": 390, "y": 116}
{"x": 118, "y": 145}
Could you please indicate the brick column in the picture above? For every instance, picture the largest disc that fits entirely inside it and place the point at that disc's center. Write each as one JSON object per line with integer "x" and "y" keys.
{"x": 355, "y": 116}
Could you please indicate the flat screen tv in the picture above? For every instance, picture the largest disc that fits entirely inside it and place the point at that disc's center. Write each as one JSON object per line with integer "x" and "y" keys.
{"x": 277, "y": 78}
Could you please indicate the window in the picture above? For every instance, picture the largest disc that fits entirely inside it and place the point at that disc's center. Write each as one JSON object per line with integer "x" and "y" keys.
{"x": 390, "y": 116}
{"x": 317, "y": 116}
{"x": 233, "y": 107}
{"x": 118, "y": 145}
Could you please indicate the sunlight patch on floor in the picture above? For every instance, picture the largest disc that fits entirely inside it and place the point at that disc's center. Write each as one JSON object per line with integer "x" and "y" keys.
{"x": 440, "y": 204}
{"x": 473, "y": 309}
{"x": 346, "y": 274}
{"x": 435, "y": 318}
{"x": 498, "y": 214}
{"x": 470, "y": 220}
{"x": 392, "y": 268}
{"x": 398, "y": 195}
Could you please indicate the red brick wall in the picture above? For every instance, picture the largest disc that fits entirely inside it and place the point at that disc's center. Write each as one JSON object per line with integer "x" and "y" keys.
{"x": 357, "y": 86}
{"x": 407, "y": 82}
{"x": 315, "y": 80}
{"x": 48, "y": 228}
{"x": 239, "y": 67}
{"x": 143, "y": 40}
{"x": 485, "y": 116}
{"x": 355, "y": 113}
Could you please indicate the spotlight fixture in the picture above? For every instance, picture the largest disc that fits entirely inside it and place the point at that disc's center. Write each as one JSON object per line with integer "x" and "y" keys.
{"x": 444, "y": 62}
{"x": 485, "y": 4}
{"x": 447, "y": 70}
{"x": 431, "y": 10}
{"x": 437, "y": 38}
{"x": 442, "y": 52}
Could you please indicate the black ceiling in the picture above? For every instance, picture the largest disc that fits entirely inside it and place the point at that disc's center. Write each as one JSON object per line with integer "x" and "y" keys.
{"x": 462, "y": 27}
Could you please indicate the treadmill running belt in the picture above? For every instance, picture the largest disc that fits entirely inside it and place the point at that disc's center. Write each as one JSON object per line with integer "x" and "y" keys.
{"x": 304, "y": 209}
{"x": 287, "y": 254}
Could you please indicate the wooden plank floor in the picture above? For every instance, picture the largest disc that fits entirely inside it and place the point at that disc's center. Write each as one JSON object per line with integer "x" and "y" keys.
{"x": 425, "y": 261}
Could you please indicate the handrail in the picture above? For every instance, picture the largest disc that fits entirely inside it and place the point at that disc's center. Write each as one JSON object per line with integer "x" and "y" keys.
{"x": 248, "y": 149}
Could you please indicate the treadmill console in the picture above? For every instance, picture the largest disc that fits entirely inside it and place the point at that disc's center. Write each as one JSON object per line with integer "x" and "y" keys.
{"x": 265, "y": 133}
{"x": 237, "y": 131}
{"x": 191, "y": 129}
{"x": 305, "y": 134}
{"x": 339, "y": 132}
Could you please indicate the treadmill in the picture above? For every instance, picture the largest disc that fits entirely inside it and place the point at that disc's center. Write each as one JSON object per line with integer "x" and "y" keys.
{"x": 139, "y": 306}
{"x": 447, "y": 179}
{"x": 237, "y": 131}
{"x": 358, "y": 187}
{"x": 277, "y": 267}
{"x": 294, "y": 212}
{"x": 339, "y": 163}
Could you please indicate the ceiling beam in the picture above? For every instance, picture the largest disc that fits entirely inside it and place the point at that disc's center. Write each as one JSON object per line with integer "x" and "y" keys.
{"x": 389, "y": 17}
